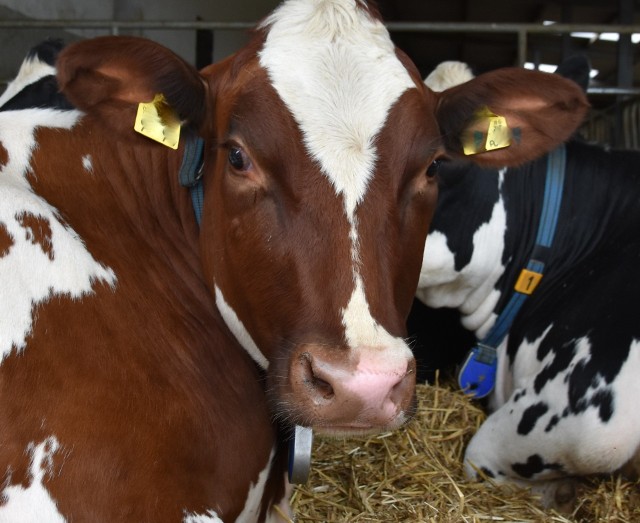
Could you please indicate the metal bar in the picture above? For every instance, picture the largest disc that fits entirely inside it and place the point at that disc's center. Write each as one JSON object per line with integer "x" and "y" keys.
{"x": 474, "y": 27}
{"x": 436, "y": 27}
{"x": 625, "y": 69}
{"x": 617, "y": 91}
{"x": 116, "y": 25}
{"x": 522, "y": 47}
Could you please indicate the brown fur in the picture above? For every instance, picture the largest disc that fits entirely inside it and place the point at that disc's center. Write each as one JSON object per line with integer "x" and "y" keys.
{"x": 147, "y": 381}
{"x": 4, "y": 156}
{"x": 6, "y": 241}
{"x": 38, "y": 231}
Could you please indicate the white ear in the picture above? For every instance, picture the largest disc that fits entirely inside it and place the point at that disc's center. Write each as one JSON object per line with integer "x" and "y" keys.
{"x": 448, "y": 74}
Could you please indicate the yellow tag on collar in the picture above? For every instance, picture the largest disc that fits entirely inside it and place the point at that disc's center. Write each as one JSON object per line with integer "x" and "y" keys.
{"x": 158, "y": 121}
{"x": 496, "y": 136}
{"x": 527, "y": 281}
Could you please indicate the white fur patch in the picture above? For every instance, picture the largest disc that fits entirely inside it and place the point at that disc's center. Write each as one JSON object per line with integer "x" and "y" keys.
{"x": 87, "y": 163}
{"x": 30, "y": 276}
{"x": 209, "y": 517}
{"x": 32, "y": 504}
{"x": 238, "y": 329}
{"x": 448, "y": 74}
{"x": 336, "y": 70}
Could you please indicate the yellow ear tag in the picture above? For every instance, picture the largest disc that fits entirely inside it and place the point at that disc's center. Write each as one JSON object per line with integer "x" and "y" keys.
{"x": 158, "y": 121}
{"x": 497, "y": 135}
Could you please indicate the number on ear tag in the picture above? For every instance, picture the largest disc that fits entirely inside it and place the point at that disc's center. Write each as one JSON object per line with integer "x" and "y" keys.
{"x": 527, "y": 281}
{"x": 498, "y": 133}
{"x": 158, "y": 121}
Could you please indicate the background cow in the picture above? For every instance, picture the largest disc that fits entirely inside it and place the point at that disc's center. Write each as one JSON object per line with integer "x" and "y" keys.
{"x": 35, "y": 84}
{"x": 124, "y": 395}
{"x": 563, "y": 402}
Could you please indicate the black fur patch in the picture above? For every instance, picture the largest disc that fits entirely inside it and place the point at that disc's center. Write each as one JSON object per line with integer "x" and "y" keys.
{"x": 534, "y": 465}
{"x": 530, "y": 417}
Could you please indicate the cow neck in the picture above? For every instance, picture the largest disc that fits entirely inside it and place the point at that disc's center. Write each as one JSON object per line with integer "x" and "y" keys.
{"x": 478, "y": 373}
{"x": 190, "y": 173}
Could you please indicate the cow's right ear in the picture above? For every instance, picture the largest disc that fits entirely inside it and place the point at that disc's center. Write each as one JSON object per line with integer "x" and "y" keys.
{"x": 509, "y": 116}
{"x": 104, "y": 75}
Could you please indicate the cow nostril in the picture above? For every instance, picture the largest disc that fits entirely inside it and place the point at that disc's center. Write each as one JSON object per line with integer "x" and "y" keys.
{"x": 405, "y": 384}
{"x": 318, "y": 385}
{"x": 323, "y": 388}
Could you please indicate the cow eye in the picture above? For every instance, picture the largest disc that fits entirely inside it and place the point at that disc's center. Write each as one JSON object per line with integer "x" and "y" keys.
{"x": 432, "y": 170}
{"x": 238, "y": 159}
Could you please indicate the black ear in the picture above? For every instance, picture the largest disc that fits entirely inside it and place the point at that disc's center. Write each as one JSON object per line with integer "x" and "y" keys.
{"x": 47, "y": 51}
{"x": 576, "y": 68}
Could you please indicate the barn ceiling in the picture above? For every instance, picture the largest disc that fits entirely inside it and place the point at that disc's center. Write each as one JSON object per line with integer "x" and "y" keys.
{"x": 491, "y": 49}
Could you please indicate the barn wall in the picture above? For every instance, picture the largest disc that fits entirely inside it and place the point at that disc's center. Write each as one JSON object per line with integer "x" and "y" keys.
{"x": 15, "y": 43}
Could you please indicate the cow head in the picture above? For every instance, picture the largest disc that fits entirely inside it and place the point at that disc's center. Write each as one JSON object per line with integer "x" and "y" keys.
{"x": 321, "y": 142}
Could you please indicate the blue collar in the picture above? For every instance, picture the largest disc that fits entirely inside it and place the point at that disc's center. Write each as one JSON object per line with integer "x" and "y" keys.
{"x": 478, "y": 373}
{"x": 191, "y": 172}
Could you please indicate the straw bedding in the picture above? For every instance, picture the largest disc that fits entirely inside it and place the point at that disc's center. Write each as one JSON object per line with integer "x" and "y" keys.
{"x": 415, "y": 475}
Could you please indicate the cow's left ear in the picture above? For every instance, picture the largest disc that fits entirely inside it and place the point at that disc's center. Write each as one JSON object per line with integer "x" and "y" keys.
{"x": 101, "y": 74}
{"x": 509, "y": 116}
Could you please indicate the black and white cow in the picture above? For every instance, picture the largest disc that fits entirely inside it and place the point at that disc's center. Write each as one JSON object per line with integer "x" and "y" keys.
{"x": 566, "y": 382}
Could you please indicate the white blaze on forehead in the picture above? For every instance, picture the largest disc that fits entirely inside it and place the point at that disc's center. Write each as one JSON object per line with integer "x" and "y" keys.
{"x": 336, "y": 70}
{"x": 29, "y": 276}
{"x": 32, "y": 503}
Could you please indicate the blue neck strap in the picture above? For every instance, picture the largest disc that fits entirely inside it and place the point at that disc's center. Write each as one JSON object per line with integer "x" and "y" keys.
{"x": 478, "y": 373}
{"x": 191, "y": 173}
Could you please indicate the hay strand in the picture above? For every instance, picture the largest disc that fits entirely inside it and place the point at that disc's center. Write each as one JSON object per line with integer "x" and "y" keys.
{"x": 416, "y": 475}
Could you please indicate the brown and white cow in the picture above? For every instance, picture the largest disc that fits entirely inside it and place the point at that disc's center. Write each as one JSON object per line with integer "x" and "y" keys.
{"x": 125, "y": 394}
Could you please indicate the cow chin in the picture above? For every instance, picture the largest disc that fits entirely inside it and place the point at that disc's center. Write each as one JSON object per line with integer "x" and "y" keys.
{"x": 365, "y": 429}
{"x": 337, "y": 395}
{"x": 293, "y": 414}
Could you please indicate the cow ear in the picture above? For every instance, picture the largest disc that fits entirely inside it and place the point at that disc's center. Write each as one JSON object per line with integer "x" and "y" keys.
{"x": 102, "y": 74}
{"x": 509, "y": 116}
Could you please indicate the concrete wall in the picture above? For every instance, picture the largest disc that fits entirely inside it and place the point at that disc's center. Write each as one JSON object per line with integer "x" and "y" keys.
{"x": 16, "y": 42}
